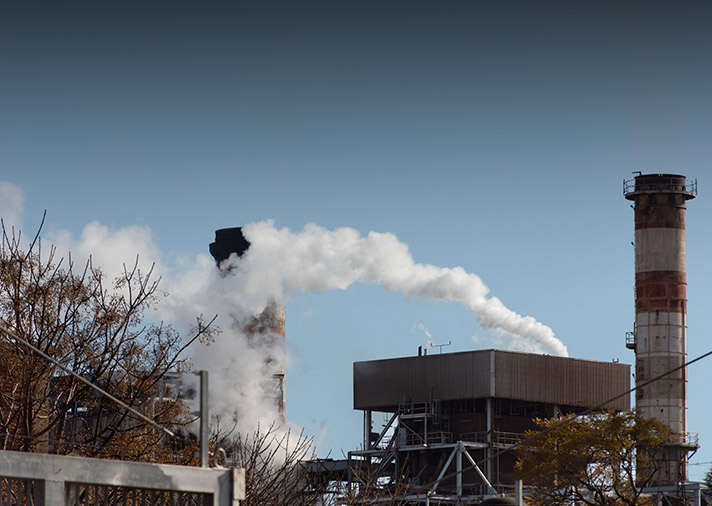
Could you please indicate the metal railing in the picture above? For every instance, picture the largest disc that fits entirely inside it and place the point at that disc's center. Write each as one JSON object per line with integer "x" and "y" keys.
{"x": 431, "y": 438}
{"x": 474, "y": 437}
{"x": 36, "y": 479}
{"x": 658, "y": 184}
{"x": 692, "y": 438}
{"x": 415, "y": 408}
{"x": 499, "y": 439}
{"x": 630, "y": 340}
{"x": 507, "y": 438}
{"x": 688, "y": 438}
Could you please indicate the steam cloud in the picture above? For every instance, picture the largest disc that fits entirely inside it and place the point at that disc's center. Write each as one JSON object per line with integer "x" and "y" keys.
{"x": 12, "y": 200}
{"x": 315, "y": 260}
{"x": 279, "y": 263}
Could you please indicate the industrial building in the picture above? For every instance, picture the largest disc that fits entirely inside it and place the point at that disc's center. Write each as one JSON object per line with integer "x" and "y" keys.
{"x": 449, "y": 419}
{"x": 449, "y": 412}
{"x": 451, "y": 416}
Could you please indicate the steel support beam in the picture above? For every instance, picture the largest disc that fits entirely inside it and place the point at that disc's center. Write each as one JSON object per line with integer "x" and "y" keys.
{"x": 490, "y": 488}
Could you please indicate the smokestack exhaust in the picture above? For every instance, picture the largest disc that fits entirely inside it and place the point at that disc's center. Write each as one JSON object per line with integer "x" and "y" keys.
{"x": 269, "y": 325}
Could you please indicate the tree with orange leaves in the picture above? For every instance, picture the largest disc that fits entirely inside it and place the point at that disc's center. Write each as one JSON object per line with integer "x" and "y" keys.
{"x": 99, "y": 331}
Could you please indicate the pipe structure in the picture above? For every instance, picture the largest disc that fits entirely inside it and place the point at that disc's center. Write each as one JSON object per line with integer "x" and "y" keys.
{"x": 660, "y": 331}
{"x": 269, "y": 325}
{"x": 204, "y": 420}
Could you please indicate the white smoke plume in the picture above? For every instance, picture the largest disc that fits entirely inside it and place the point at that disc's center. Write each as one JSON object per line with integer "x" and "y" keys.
{"x": 279, "y": 263}
{"x": 420, "y": 326}
{"x": 316, "y": 259}
{"x": 12, "y": 200}
{"x": 241, "y": 382}
{"x": 110, "y": 249}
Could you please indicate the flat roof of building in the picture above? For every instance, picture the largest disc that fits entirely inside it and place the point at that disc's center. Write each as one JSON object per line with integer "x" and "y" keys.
{"x": 381, "y": 385}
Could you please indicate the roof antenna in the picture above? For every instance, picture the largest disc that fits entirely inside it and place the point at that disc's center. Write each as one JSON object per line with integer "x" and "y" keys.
{"x": 441, "y": 346}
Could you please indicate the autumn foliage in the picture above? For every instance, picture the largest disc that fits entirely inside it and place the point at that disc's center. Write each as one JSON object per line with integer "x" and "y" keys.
{"x": 98, "y": 329}
{"x": 603, "y": 459}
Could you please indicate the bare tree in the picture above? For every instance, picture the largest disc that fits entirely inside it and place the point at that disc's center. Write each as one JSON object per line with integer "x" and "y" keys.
{"x": 98, "y": 331}
{"x": 275, "y": 462}
{"x": 281, "y": 469}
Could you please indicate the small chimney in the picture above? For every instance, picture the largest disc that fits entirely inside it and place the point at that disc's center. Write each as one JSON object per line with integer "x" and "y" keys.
{"x": 227, "y": 241}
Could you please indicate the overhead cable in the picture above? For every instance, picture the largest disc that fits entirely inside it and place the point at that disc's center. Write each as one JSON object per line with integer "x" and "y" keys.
{"x": 121, "y": 403}
{"x": 578, "y": 415}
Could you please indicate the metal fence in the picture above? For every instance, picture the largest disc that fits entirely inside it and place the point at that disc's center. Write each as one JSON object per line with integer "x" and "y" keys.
{"x": 35, "y": 479}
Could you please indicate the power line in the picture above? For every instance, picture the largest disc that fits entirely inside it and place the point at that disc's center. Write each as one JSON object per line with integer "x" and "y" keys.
{"x": 568, "y": 420}
{"x": 121, "y": 403}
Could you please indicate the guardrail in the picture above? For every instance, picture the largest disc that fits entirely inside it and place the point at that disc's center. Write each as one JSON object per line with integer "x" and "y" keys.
{"x": 504, "y": 439}
{"x": 692, "y": 438}
{"x": 36, "y": 479}
{"x": 630, "y": 340}
{"x": 658, "y": 184}
{"x": 689, "y": 438}
{"x": 499, "y": 439}
{"x": 415, "y": 408}
{"x": 431, "y": 438}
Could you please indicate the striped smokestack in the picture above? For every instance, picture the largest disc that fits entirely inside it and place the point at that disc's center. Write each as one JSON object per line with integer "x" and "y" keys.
{"x": 660, "y": 331}
{"x": 269, "y": 325}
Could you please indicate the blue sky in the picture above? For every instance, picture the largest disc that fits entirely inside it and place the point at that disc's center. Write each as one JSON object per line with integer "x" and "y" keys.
{"x": 489, "y": 135}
